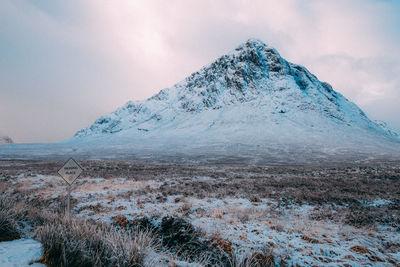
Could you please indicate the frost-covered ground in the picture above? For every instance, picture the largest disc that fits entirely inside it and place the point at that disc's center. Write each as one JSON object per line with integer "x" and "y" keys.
{"x": 305, "y": 215}
{"x": 20, "y": 253}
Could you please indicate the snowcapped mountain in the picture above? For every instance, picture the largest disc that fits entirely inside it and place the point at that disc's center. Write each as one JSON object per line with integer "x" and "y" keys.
{"x": 251, "y": 95}
{"x": 249, "y": 103}
{"x": 254, "y": 78}
{"x": 5, "y": 140}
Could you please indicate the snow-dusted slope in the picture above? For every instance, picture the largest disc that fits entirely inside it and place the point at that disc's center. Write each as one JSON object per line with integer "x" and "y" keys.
{"x": 249, "y": 95}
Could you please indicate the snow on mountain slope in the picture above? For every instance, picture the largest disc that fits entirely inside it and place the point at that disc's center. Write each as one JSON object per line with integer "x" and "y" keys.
{"x": 249, "y": 95}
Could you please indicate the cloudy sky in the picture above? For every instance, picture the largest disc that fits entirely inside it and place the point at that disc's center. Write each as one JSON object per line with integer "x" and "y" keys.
{"x": 65, "y": 63}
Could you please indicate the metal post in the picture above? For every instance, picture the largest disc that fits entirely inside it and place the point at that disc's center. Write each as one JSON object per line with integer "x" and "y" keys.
{"x": 69, "y": 202}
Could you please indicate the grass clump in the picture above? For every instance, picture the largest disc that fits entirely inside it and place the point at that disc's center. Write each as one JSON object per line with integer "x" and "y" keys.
{"x": 8, "y": 221}
{"x": 78, "y": 243}
{"x": 8, "y": 226}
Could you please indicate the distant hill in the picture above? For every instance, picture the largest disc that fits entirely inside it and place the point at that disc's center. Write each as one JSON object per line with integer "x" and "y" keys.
{"x": 5, "y": 140}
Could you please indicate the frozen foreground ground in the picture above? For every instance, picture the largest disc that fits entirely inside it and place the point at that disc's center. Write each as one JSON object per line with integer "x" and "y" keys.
{"x": 344, "y": 215}
{"x": 19, "y": 253}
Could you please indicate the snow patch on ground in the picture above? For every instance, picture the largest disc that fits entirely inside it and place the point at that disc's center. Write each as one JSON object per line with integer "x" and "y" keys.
{"x": 19, "y": 253}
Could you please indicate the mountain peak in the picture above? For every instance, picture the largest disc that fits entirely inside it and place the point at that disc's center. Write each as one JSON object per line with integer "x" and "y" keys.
{"x": 242, "y": 75}
{"x": 257, "y": 46}
{"x": 253, "y": 43}
{"x": 249, "y": 63}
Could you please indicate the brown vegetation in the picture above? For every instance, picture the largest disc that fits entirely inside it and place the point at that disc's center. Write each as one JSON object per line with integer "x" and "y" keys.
{"x": 77, "y": 242}
{"x": 340, "y": 194}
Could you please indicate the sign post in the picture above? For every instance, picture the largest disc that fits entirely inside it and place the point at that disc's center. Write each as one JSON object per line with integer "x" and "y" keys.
{"x": 69, "y": 201}
{"x": 70, "y": 172}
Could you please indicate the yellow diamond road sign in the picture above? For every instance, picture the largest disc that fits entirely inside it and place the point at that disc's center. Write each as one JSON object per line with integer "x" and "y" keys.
{"x": 70, "y": 171}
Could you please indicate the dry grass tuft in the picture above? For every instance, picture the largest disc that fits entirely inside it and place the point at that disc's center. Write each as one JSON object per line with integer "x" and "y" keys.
{"x": 77, "y": 243}
{"x": 264, "y": 258}
{"x": 120, "y": 220}
{"x": 8, "y": 221}
{"x": 224, "y": 245}
{"x": 360, "y": 249}
{"x": 8, "y": 226}
{"x": 371, "y": 255}
{"x": 310, "y": 239}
